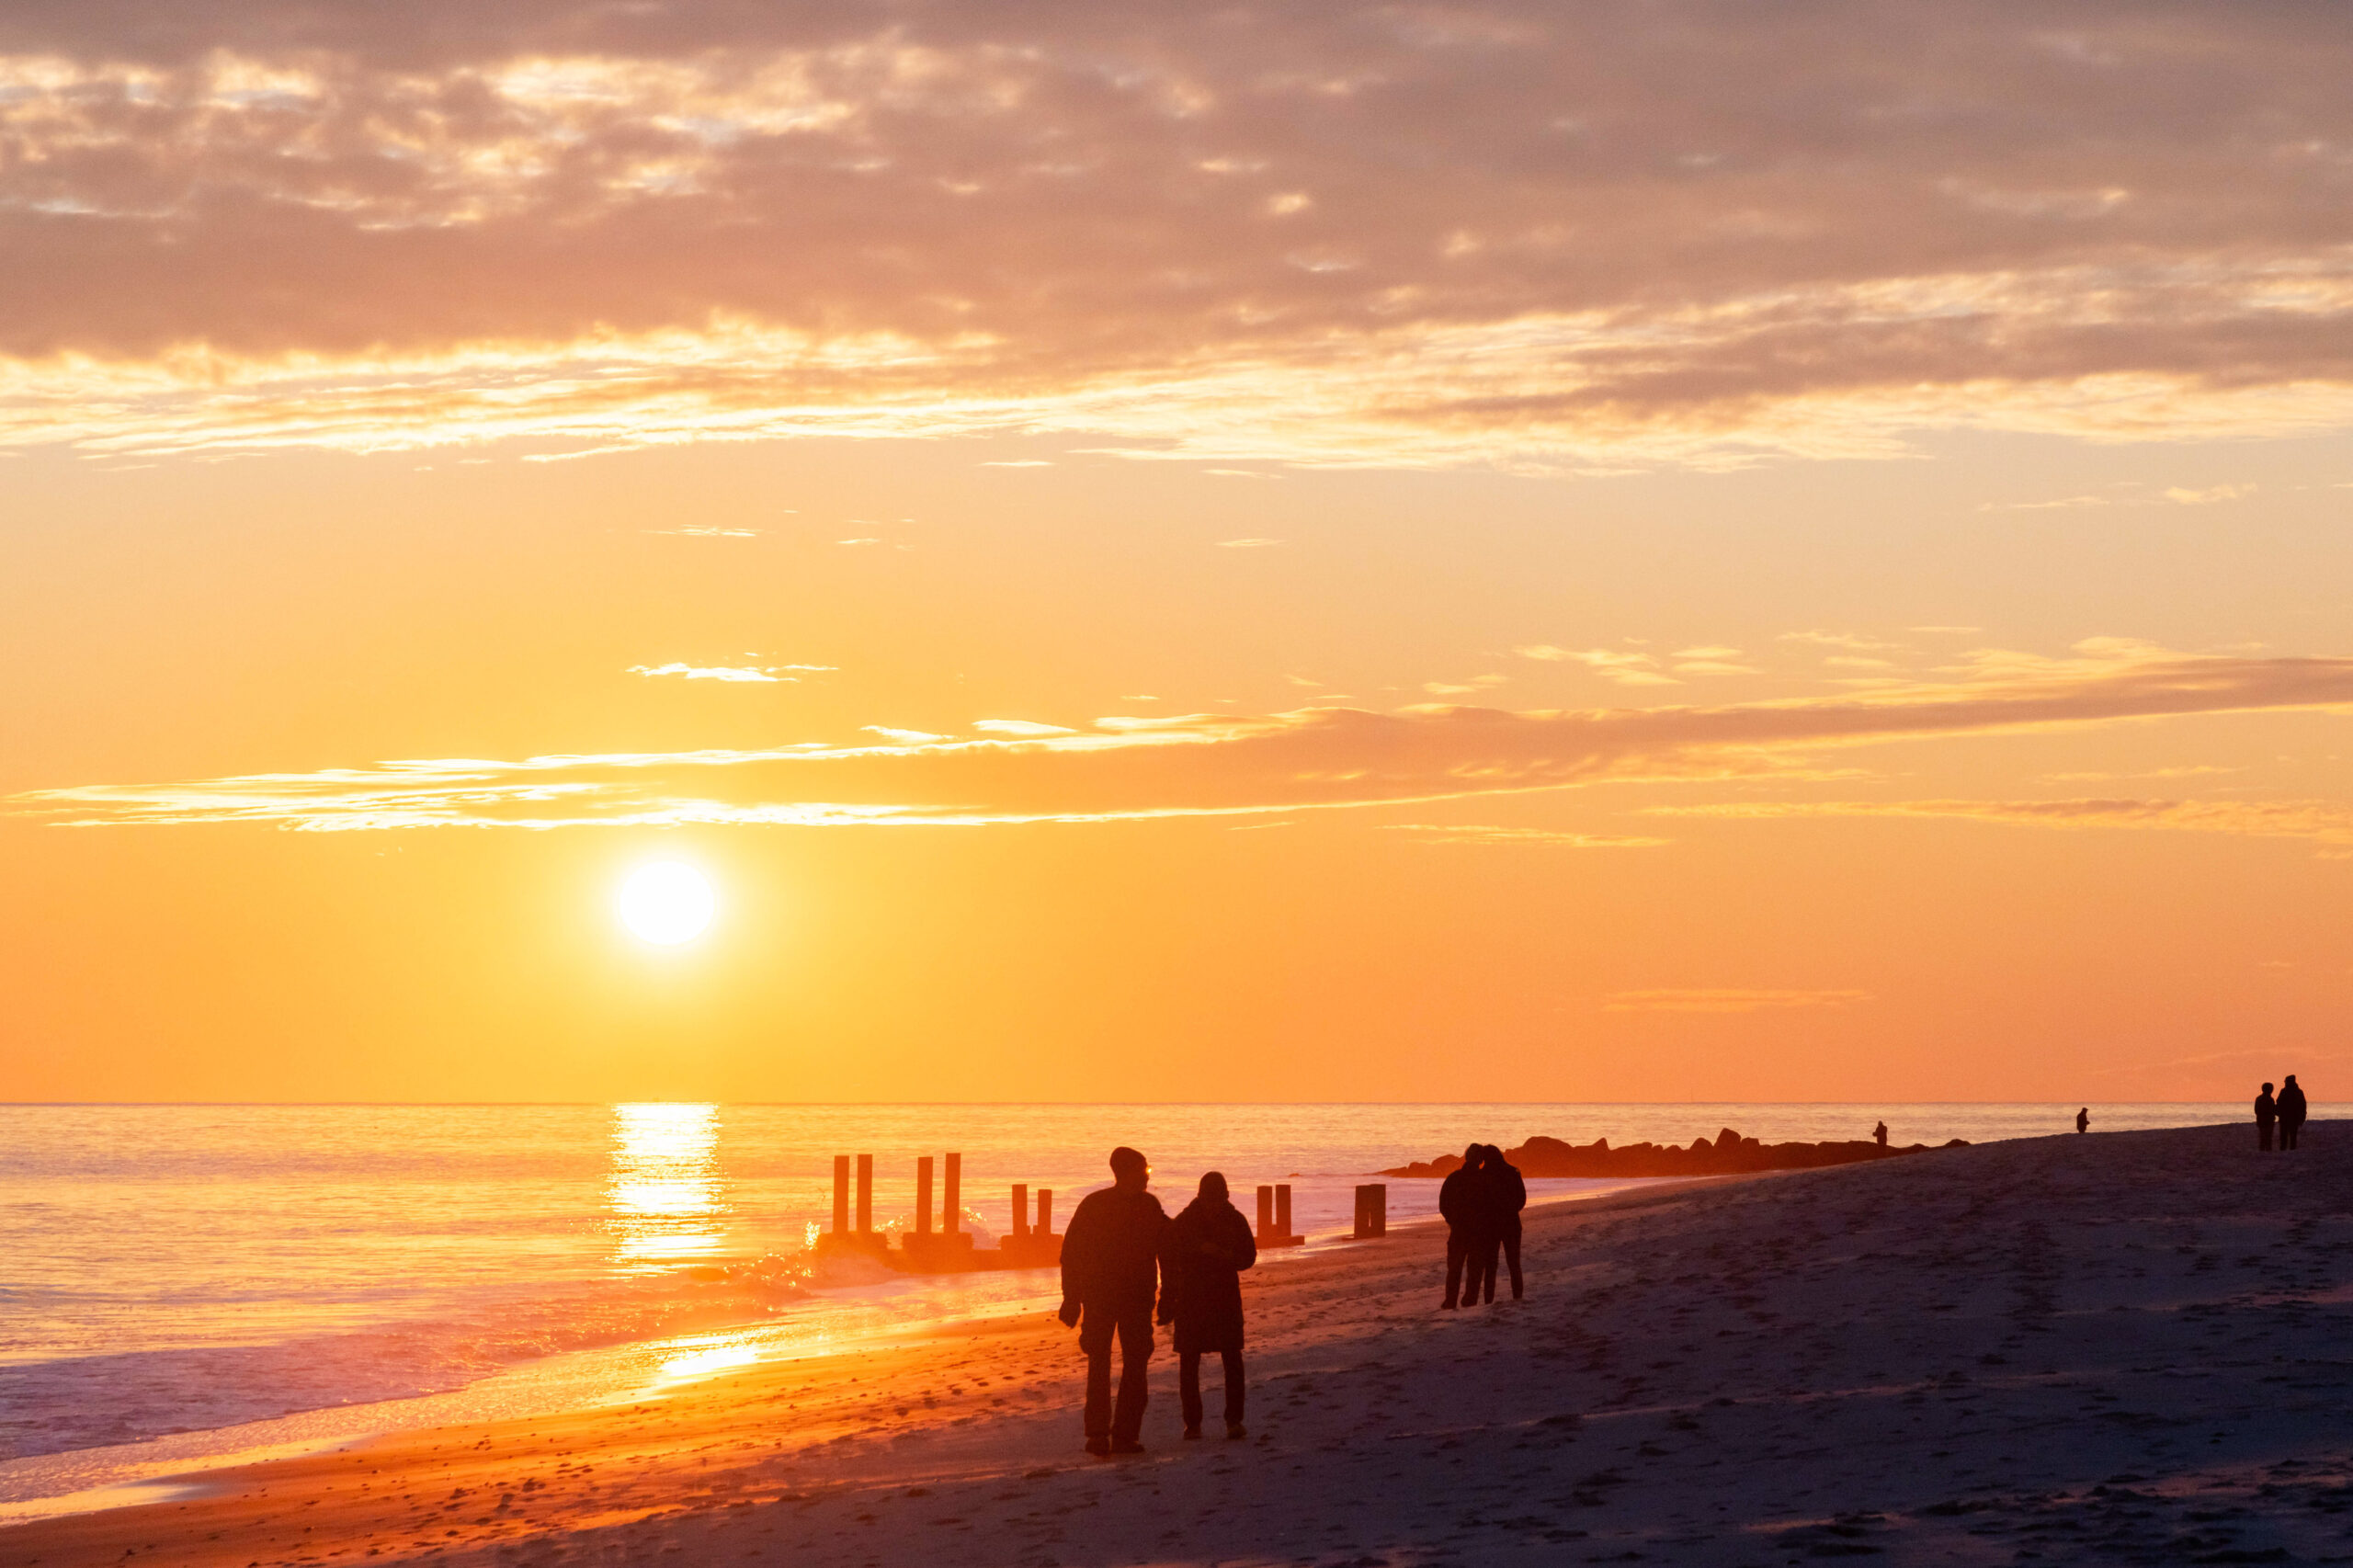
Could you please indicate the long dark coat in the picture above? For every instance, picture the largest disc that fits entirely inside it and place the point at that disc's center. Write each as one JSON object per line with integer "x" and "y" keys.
{"x": 1468, "y": 1204}
{"x": 2291, "y": 1105}
{"x": 1111, "y": 1252}
{"x": 1508, "y": 1193}
{"x": 1208, "y": 1246}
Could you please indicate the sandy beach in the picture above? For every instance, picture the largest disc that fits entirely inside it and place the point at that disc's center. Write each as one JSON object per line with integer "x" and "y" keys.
{"x": 2126, "y": 1347}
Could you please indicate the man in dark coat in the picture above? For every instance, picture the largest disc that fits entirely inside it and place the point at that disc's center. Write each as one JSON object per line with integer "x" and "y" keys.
{"x": 2291, "y": 1112}
{"x": 1462, "y": 1201}
{"x": 1508, "y": 1193}
{"x": 2266, "y": 1111}
{"x": 1110, "y": 1275}
{"x": 1208, "y": 1246}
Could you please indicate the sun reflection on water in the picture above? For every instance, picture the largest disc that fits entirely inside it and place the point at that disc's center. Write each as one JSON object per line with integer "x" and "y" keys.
{"x": 665, "y": 1201}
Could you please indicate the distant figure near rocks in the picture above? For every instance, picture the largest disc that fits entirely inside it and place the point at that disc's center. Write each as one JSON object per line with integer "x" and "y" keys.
{"x": 2084, "y": 1120}
{"x": 2266, "y": 1111}
{"x": 1878, "y": 1133}
{"x": 2291, "y": 1112}
{"x": 1110, "y": 1275}
{"x": 1208, "y": 1247}
{"x": 1509, "y": 1197}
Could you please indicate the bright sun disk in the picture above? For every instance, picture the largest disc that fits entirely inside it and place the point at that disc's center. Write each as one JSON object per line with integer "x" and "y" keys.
{"x": 667, "y": 903}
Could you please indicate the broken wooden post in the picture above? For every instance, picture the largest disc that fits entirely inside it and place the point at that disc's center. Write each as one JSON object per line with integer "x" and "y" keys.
{"x": 1372, "y": 1211}
{"x": 1266, "y": 1215}
{"x": 1283, "y": 1208}
{"x": 841, "y": 1194}
{"x": 923, "y": 1196}
{"x": 1045, "y": 1211}
{"x": 865, "y": 1194}
{"x": 1020, "y": 1208}
{"x": 951, "y": 1212}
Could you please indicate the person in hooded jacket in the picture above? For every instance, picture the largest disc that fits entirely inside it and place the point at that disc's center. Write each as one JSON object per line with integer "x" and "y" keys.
{"x": 2291, "y": 1112}
{"x": 1508, "y": 1193}
{"x": 1201, "y": 1258}
{"x": 1110, "y": 1275}
{"x": 2266, "y": 1111}
{"x": 1462, "y": 1201}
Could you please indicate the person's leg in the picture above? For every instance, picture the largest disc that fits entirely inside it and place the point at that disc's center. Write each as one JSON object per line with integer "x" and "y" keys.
{"x": 1235, "y": 1389}
{"x": 2262, "y": 1137}
{"x": 1188, "y": 1389}
{"x": 1135, "y": 1355}
{"x": 1095, "y": 1340}
{"x": 1511, "y": 1258}
{"x": 1482, "y": 1285}
{"x": 1456, "y": 1254}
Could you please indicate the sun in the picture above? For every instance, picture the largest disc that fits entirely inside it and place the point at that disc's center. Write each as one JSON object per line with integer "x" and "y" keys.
{"x": 667, "y": 903}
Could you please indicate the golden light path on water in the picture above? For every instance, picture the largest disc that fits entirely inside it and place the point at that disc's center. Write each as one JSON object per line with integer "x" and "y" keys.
{"x": 665, "y": 1201}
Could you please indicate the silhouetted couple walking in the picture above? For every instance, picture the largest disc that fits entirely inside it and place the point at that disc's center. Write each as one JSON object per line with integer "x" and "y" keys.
{"x": 1481, "y": 1202}
{"x": 1121, "y": 1249}
{"x": 2288, "y": 1111}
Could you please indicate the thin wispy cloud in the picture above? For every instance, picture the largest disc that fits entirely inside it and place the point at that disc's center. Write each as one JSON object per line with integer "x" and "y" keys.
{"x": 2327, "y": 823}
{"x": 1530, "y": 837}
{"x": 1130, "y": 767}
{"x": 1728, "y": 1000}
{"x": 1263, "y": 234}
{"x": 713, "y": 672}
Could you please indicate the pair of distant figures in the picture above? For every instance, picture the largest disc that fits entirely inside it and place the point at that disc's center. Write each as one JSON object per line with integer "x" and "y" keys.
{"x": 1480, "y": 1201}
{"x": 2286, "y": 1112}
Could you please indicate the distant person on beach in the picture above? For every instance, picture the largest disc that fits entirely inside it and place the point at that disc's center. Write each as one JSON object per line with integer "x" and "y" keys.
{"x": 2291, "y": 1112}
{"x": 1509, "y": 1194}
{"x": 2084, "y": 1120}
{"x": 2266, "y": 1111}
{"x": 1878, "y": 1135}
{"x": 1110, "y": 1275}
{"x": 1202, "y": 1259}
{"x": 1460, "y": 1201}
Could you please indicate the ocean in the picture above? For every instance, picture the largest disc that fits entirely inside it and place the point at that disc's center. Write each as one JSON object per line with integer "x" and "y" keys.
{"x": 185, "y": 1282}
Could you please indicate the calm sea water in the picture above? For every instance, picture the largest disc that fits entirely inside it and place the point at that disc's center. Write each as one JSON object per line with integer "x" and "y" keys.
{"x": 200, "y": 1269}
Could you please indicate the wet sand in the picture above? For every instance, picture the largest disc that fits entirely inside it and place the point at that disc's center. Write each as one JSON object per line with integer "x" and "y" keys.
{"x": 2122, "y": 1347}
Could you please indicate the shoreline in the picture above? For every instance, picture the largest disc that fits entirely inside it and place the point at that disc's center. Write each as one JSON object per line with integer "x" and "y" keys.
{"x": 2119, "y": 1347}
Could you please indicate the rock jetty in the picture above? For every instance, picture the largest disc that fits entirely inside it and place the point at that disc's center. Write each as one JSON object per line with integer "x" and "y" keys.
{"x": 1726, "y": 1153}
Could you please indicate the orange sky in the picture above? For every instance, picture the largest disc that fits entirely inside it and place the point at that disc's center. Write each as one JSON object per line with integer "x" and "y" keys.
{"x": 1422, "y": 553}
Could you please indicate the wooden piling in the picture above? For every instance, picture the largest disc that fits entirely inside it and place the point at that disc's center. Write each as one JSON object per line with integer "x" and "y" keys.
{"x": 1265, "y": 1214}
{"x": 951, "y": 1212}
{"x": 1045, "y": 1211}
{"x": 1020, "y": 1208}
{"x": 1282, "y": 1209}
{"x": 923, "y": 1196}
{"x": 1372, "y": 1211}
{"x": 841, "y": 1195}
{"x": 865, "y": 1194}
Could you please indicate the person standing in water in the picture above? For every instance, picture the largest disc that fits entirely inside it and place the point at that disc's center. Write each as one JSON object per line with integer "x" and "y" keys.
{"x": 2084, "y": 1120}
{"x": 2266, "y": 1111}
{"x": 1208, "y": 1246}
{"x": 2291, "y": 1112}
{"x": 1110, "y": 1275}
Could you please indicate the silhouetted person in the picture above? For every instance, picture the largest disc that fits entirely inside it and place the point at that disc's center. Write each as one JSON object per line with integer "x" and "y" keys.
{"x": 1110, "y": 1274}
{"x": 2266, "y": 1111}
{"x": 1880, "y": 1134}
{"x": 2084, "y": 1120}
{"x": 2291, "y": 1112}
{"x": 1458, "y": 1201}
{"x": 1510, "y": 1194}
{"x": 1202, "y": 1259}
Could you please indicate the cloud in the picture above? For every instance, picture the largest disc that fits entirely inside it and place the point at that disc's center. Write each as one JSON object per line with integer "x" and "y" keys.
{"x": 2322, "y": 821}
{"x": 1466, "y": 687}
{"x": 1697, "y": 231}
{"x": 1027, "y": 728}
{"x": 1611, "y": 664}
{"x": 713, "y": 672}
{"x": 1543, "y": 837}
{"x": 2181, "y": 497}
{"x": 1201, "y": 765}
{"x": 711, "y": 532}
{"x": 1247, "y": 543}
{"x": 1727, "y": 1001}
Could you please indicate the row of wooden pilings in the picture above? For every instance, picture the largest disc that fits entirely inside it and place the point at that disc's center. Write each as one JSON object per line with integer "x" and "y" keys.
{"x": 1028, "y": 1245}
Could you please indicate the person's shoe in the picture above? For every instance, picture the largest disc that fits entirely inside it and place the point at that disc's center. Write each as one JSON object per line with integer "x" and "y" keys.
{"x": 1127, "y": 1446}
{"x": 1099, "y": 1447}
{"x": 1192, "y": 1434}
{"x": 1446, "y": 1306}
{"x": 1235, "y": 1431}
